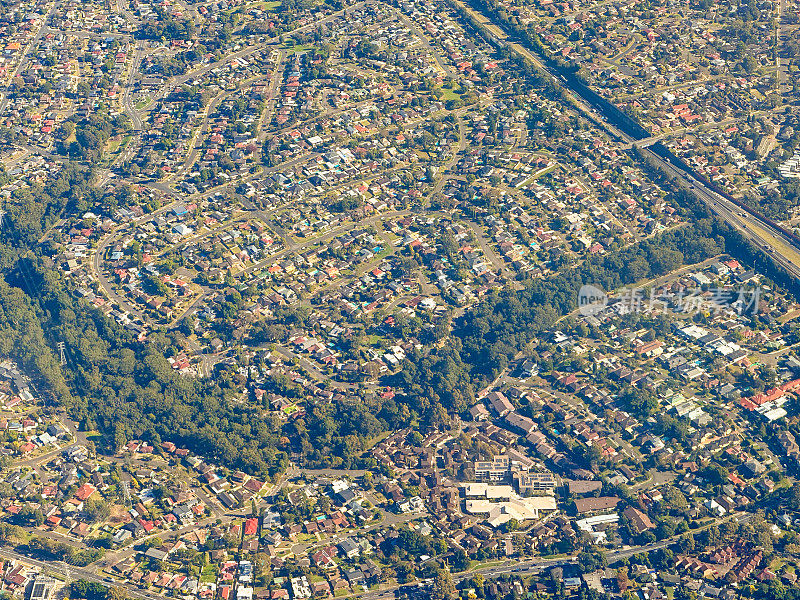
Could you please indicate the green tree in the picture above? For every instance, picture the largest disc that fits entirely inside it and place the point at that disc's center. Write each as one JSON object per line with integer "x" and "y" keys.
{"x": 96, "y": 509}
{"x": 443, "y": 586}
{"x": 116, "y": 593}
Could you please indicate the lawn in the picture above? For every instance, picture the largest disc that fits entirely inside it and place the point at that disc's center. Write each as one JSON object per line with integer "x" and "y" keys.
{"x": 777, "y": 564}
{"x": 113, "y": 145}
{"x": 379, "y": 498}
{"x": 377, "y": 438}
{"x": 270, "y": 6}
{"x": 479, "y": 565}
{"x": 209, "y": 575}
{"x": 384, "y": 252}
{"x": 449, "y": 94}
{"x": 774, "y": 242}
{"x": 299, "y": 48}
{"x": 375, "y": 341}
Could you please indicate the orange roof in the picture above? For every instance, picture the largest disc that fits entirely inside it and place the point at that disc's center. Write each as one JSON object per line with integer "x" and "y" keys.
{"x": 251, "y": 526}
{"x": 85, "y": 491}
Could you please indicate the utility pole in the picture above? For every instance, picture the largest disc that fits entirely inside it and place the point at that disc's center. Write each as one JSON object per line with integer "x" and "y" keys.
{"x": 127, "y": 493}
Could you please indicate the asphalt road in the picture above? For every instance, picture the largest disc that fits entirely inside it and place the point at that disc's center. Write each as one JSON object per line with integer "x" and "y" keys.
{"x": 777, "y": 246}
{"x": 99, "y": 252}
{"x": 24, "y": 56}
{"x": 71, "y": 572}
{"x": 525, "y": 567}
{"x": 127, "y": 100}
{"x": 179, "y": 80}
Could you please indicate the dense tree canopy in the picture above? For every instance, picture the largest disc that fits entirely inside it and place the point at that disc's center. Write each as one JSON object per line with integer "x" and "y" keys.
{"x": 128, "y": 390}
{"x": 490, "y": 335}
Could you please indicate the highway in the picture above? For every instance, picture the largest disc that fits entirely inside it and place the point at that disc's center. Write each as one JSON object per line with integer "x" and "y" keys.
{"x": 105, "y": 175}
{"x": 781, "y": 249}
{"x": 773, "y": 242}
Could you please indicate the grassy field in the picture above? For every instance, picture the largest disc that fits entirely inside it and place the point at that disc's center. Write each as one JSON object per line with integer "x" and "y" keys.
{"x": 449, "y": 94}
{"x": 270, "y": 6}
{"x": 377, "y": 439}
{"x": 538, "y": 174}
{"x": 295, "y": 48}
{"x": 115, "y": 146}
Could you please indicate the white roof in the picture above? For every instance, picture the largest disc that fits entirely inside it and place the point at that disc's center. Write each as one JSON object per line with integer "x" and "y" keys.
{"x": 486, "y": 490}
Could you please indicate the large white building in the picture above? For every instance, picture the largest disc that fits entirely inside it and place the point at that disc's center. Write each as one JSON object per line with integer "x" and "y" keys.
{"x": 500, "y": 504}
